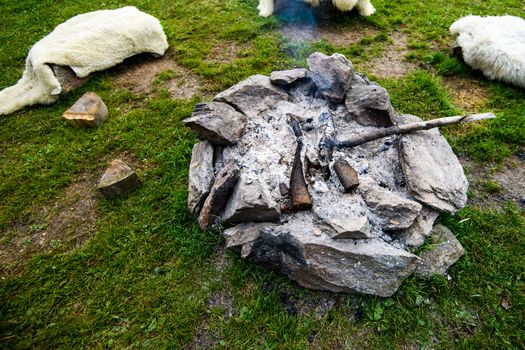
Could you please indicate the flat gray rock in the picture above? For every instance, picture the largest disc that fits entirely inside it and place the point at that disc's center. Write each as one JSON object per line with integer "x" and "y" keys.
{"x": 200, "y": 175}
{"x": 253, "y": 95}
{"x": 217, "y": 122}
{"x": 394, "y": 211}
{"x": 350, "y": 226}
{"x": 370, "y": 105}
{"x": 319, "y": 262}
{"x": 433, "y": 173}
{"x": 245, "y": 233}
{"x": 250, "y": 201}
{"x": 287, "y": 77}
{"x": 332, "y": 74}
{"x": 443, "y": 253}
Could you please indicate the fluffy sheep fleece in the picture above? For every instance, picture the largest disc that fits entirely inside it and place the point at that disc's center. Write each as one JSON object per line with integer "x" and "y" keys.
{"x": 87, "y": 43}
{"x": 365, "y": 8}
{"x": 495, "y": 45}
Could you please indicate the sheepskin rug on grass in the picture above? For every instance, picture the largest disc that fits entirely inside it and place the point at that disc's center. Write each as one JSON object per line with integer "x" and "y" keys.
{"x": 495, "y": 45}
{"x": 87, "y": 43}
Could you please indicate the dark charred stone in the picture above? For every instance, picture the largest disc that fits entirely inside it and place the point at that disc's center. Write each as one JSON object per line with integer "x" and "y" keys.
{"x": 285, "y": 190}
{"x": 277, "y": 250}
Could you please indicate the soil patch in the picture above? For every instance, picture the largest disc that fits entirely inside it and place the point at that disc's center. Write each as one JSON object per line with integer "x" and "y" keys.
{"x": 339, "y": 36}
{"x": 146, "y": 74}
{"x": 225, "y": 52}
{"x": 63, "y": 225}
{"x": 496, "y": 185}
{"x": 391, "y": 63}
{"x": 467, "y": 93}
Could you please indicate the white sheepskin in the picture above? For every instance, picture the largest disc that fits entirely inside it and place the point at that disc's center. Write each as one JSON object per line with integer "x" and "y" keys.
{"x": 87, "y": 43}
{"x": 495, "y": 45}
{"x": 364, "y": 7}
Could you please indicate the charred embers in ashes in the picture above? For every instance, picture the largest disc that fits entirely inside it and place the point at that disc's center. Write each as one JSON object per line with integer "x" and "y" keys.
{"x": 330, "y": 214}
{"x": 328, "y": 138}
{"x": 346, "y": 174}
{"x": 300, "y": 197}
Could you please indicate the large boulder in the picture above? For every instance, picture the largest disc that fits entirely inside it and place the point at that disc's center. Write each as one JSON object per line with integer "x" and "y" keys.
{"x": 253, "y": 95}
{"x": 433, "y": 173}
{"x": 216, "y": 122}
{"x": 332, "y": 75}
{"x": 320, "y": 262}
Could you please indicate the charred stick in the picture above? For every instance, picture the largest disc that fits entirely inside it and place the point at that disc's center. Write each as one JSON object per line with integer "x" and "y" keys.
{"x": 411, "y": 127}
{"x": 299, "y": 195}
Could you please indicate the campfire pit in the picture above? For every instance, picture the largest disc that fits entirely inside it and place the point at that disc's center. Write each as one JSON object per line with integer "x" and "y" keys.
{"x": 278, "y": 161}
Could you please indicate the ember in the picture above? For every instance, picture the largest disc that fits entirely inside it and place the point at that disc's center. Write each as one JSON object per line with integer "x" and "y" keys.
{"x": 364, "y": 184}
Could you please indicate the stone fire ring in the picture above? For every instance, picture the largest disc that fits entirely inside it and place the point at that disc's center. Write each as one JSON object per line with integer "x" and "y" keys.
{"x": 330, "y": 218}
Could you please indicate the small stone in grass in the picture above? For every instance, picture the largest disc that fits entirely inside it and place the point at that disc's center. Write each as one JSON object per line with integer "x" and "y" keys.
{"x": 119, "y": 179}
{"x": 89, "y": 111}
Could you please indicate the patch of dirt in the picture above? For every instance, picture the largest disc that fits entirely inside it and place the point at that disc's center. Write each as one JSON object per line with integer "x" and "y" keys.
{"x": 204, "y": 339}
{"x": 467, "y": 93}
{"x": 225, "y": 52}
{"x": 337, "y": 35}
{"x": 63, "y": 225}
{"x": 146, "y": 74}
{"x": 316, "y": 304}
{"x": 509, "y": 177}
{"x": 207, "y": 338}
{"x": 223, "y": 301}
{"x": 391, "y": 62}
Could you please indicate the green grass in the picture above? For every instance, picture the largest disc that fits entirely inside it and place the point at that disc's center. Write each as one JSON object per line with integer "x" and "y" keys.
{"x": 146, "y": 278}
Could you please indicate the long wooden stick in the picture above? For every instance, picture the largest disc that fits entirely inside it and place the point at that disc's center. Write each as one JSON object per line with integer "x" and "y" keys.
{"x": 411, "y": 127}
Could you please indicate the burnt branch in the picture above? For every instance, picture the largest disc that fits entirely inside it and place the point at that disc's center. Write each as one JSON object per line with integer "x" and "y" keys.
{"x": 411, "y": 127}
{"x": 299, "y": 195}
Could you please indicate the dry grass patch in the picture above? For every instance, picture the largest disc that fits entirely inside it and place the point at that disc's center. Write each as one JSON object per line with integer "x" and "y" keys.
{"x": 391, "y": 62}
{"x": 144, "y": 74}
{"x": 493, "y": 185}
{"x": 225, "y": 52}
{"x": 469, "y": 94}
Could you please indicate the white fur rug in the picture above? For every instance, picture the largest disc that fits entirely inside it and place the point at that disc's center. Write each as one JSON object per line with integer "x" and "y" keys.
{"x": 495, "y": 45}
{"x": 87, "y": 43}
